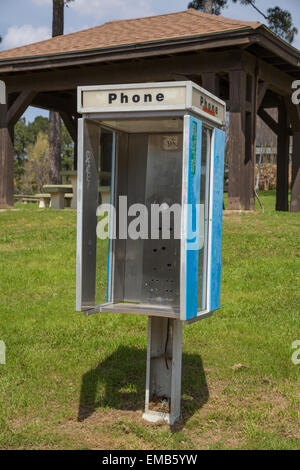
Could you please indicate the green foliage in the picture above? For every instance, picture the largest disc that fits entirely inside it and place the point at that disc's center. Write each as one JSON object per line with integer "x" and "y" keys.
{"x": 20, "y": 143}
{"x": 281, "y": 23}
{"x": 67, "y": 149}
{"x": 217, "y": 5}
{"x": 37, "y": 165}
{"x": 26, "y": 135}
{"x": 279, "y": 20}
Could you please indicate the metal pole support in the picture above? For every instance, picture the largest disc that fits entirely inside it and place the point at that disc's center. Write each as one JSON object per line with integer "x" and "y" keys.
{"x": 163, "y": 376}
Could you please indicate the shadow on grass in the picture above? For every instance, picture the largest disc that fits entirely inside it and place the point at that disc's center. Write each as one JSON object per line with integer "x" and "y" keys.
{"x": 119, "y": 382}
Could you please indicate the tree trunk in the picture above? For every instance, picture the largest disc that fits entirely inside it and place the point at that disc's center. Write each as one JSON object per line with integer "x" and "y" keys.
{"x": 208, "y": 4}
{"x": 58, "y": 18}
{"x": 55, "y": 147}
{"x": 6, "y": 160}
{"x": 55, "y": 123}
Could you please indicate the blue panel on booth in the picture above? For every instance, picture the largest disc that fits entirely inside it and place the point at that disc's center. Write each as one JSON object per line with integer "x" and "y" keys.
{"x": 217, "y": 212}
{"x": 193, "y": 200}
{"x": 111, "y": 228}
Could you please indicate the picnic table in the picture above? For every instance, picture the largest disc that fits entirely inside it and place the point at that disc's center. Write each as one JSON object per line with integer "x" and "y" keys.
{"x": 104, "y": 191}
{"x": 58, "y": 193}
{"x": 72, "y": 176}
{"x": 25, "y": 199}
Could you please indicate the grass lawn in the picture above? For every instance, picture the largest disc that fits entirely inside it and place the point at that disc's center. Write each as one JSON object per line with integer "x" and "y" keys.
{"x": 75, "y": 382}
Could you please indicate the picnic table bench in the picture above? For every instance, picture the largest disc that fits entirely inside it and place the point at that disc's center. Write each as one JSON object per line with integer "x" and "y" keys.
{"x": 72, "y": 176}
{"x": 44, "y": 200}
{"x": 104, "y": 190}
{"x": 58, "y": 193}
{"x": 104, "y": 194}
{"x": 23, "y": 198}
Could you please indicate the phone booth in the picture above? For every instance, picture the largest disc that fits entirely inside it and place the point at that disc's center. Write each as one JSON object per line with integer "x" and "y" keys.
{"x": 162, "y": 146}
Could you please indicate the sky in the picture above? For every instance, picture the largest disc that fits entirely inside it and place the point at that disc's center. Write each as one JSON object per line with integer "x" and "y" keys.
{"x": 26, "y": 21}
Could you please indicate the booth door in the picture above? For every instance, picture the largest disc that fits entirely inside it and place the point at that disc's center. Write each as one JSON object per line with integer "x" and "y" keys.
{"x": 202, "y": 200}
{"x": 87, "y": 202}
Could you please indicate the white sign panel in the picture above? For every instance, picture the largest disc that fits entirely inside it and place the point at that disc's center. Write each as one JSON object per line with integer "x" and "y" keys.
{"x": 110, "y": 100}
{"x": 163, "y": 96}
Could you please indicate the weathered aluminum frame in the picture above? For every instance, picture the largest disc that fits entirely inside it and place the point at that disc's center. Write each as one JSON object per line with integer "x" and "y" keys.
{"x": 157, "y": 315}
{"x": 91, "y": 308}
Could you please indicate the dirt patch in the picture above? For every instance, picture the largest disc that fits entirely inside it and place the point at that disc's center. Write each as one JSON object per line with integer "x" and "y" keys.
{"x": 161, "y": 404}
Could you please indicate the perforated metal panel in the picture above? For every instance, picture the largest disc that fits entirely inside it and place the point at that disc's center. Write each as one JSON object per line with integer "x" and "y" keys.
{"x": 149, "y": 171}
{"x": 163, "y": 186}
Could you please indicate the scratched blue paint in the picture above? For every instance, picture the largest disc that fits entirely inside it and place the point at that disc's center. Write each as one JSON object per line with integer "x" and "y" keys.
{"x": 108, "y": 290}
{"x": 193, "y": 199}
{"x": 217, "y": 213}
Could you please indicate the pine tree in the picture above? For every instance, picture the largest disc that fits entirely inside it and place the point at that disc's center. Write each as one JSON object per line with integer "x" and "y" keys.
{"x": 279, "y": 21}
{"x": 55, "y": 121}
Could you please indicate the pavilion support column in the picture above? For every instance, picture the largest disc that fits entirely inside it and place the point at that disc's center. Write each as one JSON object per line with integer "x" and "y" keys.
{"x": 6, "y": 154}
{"x": 211, "y": 82}
{"x": 283, "y": 141}
{"x": 71, "y": 123}
{"x": 295, "y": 193}
{"x": 241, "y": 142}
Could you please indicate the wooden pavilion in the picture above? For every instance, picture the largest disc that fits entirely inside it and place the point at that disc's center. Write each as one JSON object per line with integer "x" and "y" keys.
{"x": 242, "y": 62}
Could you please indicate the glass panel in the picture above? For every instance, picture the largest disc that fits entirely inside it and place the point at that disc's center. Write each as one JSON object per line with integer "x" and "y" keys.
{"x": 104, "y": 183}
{"x": 203, "y": 225}
{"x": 148, "y": 170}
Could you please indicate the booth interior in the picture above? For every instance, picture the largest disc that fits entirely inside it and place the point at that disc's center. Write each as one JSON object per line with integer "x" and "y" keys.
{"x": 145, "y": 158}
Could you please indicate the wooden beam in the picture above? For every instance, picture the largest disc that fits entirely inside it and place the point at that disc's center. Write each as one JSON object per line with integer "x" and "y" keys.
{"x": 283, "y": 148}
{"x": 19, "y": 106}
{"x": 295, "y": 192}
{"x": 262, "y": 90}
{"x": 70, "y": 123}
{"x": 126, "y": 72}
{"x": 293, "y": 113}
{"x": 241, "y": 142}
{"x": 56, "y": 102}
{"x": 278, "y": 81}
{"x": 278, "y": 48}
{"x": 270, "y": 100}
{"x": 271, "y": 123}
{"x": 211, "y": 82}
{"x": 6, "y": 155}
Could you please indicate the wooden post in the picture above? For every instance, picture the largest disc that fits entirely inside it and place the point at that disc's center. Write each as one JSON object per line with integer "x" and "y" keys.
{"x": 211, "y": 82}
{"x": 294, "y": 117}
{"x": 241, "y": 141}
{"x": 283, "y": 141}
{"x": 6, "y": 154}
{"x": 295, "y": 193}
{"x": 71, "y": 124}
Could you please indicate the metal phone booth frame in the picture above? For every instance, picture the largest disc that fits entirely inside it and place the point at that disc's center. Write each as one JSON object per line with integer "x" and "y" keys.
{"x": 167, "y": 148}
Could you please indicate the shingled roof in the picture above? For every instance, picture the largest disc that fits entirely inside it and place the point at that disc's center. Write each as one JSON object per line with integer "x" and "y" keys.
{"x": 188, "y": 23}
